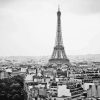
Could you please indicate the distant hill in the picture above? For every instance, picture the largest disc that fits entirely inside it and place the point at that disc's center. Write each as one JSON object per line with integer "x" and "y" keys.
{"x": 88, "y": 57}
{"x": 76, "y": 58}
{"x": 44, "y": 59}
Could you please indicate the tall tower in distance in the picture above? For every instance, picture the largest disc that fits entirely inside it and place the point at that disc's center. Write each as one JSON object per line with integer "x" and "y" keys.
{"x": 59, "y": 56}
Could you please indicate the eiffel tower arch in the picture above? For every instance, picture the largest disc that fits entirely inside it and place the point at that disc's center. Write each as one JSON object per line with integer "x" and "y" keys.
{"x": 59, "y": 56}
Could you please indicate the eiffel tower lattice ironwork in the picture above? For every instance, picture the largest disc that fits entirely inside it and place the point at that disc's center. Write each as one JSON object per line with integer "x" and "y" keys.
{"x": 59, "y": 55}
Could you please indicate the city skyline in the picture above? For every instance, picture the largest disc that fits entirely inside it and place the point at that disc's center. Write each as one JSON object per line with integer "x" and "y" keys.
{"x": 28, "y": 27}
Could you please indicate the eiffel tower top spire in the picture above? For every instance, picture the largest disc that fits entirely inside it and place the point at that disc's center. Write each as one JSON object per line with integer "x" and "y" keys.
{"x": 59, "y": 33}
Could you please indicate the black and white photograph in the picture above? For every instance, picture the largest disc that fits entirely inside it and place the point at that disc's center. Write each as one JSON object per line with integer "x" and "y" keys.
{"x": 49, "y": 49}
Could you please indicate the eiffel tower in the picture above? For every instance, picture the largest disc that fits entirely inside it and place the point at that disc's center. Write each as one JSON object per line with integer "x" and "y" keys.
{"x": 59, "y": 56}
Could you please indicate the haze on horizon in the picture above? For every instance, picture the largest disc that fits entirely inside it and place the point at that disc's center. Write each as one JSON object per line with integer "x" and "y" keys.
{"x": 28, "y": 27}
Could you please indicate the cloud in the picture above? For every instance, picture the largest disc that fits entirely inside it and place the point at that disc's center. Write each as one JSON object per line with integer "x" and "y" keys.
{"x": 81, "y": 6}
{"x": 28, "y": 27}
{"x": 73, "y": 6}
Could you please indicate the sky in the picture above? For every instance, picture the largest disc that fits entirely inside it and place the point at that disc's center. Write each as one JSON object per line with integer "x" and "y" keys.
{"x": 28, "y": 27}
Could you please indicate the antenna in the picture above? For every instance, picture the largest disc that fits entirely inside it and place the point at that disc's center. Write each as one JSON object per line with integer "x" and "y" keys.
{"x": 58, "y": 7}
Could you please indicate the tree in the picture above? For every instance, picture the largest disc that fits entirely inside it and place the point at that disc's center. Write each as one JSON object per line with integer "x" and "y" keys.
{"x": 16, "y": 97}
{"x": 12, "y": 89}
